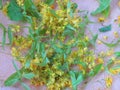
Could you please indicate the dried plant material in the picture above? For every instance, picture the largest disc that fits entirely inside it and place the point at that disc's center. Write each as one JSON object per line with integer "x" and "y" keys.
{"x": 56, "y": 51}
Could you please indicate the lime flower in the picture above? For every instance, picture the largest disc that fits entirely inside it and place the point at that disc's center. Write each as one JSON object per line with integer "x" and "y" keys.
{"x": 101, "y": 19}
{"x": 117, "y": 21}
{"x": 86, "y": 38}
{"x": 20, "y": 2}
{"x": 99, "y": 42}
{"x": 110, "y": 52}
{"x": 105, "y": 37}
{"x": 116, "y": 34}
{"x": 113, "y": 58}
{"x": 117, "y": 62}
{"x": 15, "y": 52}
{"x": 102, "y": 54}
{"x": 113, "y": 71}
{"x": 5, "y": 8}
{"x": 85, "y": 49}
{"x": 108, "y": 81}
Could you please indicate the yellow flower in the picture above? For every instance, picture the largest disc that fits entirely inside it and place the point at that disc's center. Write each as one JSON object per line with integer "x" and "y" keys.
{"x": 116, "y": 35}
{"x": 110, "y": 52}
{"x": 99, "y": 42}
{"x": 15, "y": 52}
{"x": 85, "y": 49}
{"x": 108, "y": 81}
{"x": 33, "y": 66}
{"x": 37, "y": 1}
{"x": 20, "y": 2}
{"x": 102, "y": 54}
{"x": 5, "y": 8}
{"x": 113, "y": 58}
{"x": 90, "y": 66}
{"x": 81, "y": 67}
{"x": 117, "y": 62}
{"x": 86, "y": 38}
{"x": 68, "y": 83}
{"x": 105, "y": 37}
{"x": 113, "y": 71}
{"x": 101, "y": 19}
{"x": 99, "y": 61}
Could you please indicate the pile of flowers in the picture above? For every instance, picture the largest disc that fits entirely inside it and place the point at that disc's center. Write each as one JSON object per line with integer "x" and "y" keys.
{"x": 55, "y": 52}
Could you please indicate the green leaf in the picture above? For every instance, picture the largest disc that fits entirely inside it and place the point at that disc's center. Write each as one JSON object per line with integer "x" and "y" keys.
{"x": 49, "y": 2}
{"x": 1, "y": 4}
{"x": 68, "y": 32}
{"x": 14, "y": 11}
{"x": 31, "y": 9}
{"x": 69, "y": 10}
{"x": 16, "y": 68}
{"x": 82, "y": 63}
{"x": 68, "y": 5}
{"x": 28, "y": 18}
{"x": 93, "y": 40}
{"x": 28, "y": 75}
{"x": 77, "y": 78}
{"x": 28, "y": 4}
{"x": 83, "y": 24}
{"x": 117, "y": 54}
{"x": 10, "y": 35}
{"x": 14, "y": 78}
{"x": 57, "y": 49}
{"x": 96, "y": 69}
{"x": 105, "y": 28}
{"x": 106, "y": 12}
{"x": 111, "y": 44}
{"x": 104, "y": 4}
{"x": 70, "y": 27}
{"x": 109, "y": 63}
{"x": 38, "y": 47}
{"x": 64, "y": 67}
{"x": 4, "y": 34}
{"x": 74, "y": 7}
{"x": 27, "y": 63}
{"x": 11, "y": 81}
{"x": 45, "y": 62}
{"x": 116, "y": 67}
{"x": 25, "y": 86}
{"x": 53, "y": 13}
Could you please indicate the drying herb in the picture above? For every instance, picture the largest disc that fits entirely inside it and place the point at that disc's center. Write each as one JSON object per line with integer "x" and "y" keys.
{"x": 46, "y": 52}
{"x": 55, "y": 43}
